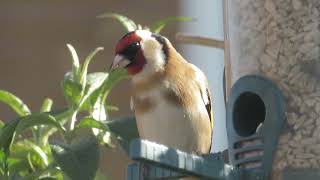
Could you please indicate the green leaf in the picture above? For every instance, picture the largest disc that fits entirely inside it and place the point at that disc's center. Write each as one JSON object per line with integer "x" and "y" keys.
{"x": 114, "y": 77}
{"x": 95, "y": 81}
{"x": 3, "y": 158}
{"x": 75, "y": 63}
{"x": 7, "y": 134}
{"x": 38, "y": 156}
{"x": 127, "y": 23}
{"x": 38, "y": 119}
{"x": 111, "y": 108}
{"x": 19, "y": 150}
{"x": 98, "y": 110}
{"x": 91, "y": 100}
{"x": 2, "y": 124}
{"x": 98, "y": 128}
{"x": 159, "y": 25}
{"x": 39, "y": 131}
{"x": 91, "y": 123}
{"x": 46, "y": 105}
{"x": 98, "y": 86}
{"x": 99, "y": 98}
{"x": 86, "y": 63}
{"x": 41, "y": 154}
{"x": 30, "y": 162}
{"x": 48, "y": 178}
{"x": 18, "y": 166}
{"x": 72, "y": 90}
{"x": 61, "y": 116}
{"x": 14, "y": 102}
{"x": 80, "y": 159}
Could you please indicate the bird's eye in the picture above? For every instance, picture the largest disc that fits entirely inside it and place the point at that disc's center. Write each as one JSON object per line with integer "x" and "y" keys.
{"x": 131, "y": 50}
{"x": 134, "y": 46}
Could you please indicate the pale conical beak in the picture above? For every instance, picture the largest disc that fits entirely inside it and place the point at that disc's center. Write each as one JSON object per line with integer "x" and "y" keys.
{"x": 119, "y": 62}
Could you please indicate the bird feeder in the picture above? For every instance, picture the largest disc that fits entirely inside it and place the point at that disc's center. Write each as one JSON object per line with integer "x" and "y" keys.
{"x": 280, "y": 40}
{"x": 255, "y": 120}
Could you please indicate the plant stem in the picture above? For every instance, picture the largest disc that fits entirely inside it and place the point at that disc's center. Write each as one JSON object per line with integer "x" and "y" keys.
{"x": 73, "y": 120}
{"x": 46, "y": 107}
{"x": 35, "y": 133}
{"x": 62, "y": 117}
{"x": 6, "y": 167}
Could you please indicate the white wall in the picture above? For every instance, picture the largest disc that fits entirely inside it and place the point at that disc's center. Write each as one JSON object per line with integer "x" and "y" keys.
{"x": 208, "y": 15}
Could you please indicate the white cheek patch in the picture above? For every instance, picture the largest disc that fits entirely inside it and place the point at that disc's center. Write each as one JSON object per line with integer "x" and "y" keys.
{"x": 152, "y": 51}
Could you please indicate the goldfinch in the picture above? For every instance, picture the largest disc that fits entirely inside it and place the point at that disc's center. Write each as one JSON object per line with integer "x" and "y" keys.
{"x": 170, "y": 96}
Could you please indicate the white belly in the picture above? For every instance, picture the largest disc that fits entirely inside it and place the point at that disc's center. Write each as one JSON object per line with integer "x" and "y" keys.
{"x": 169, "y": 125}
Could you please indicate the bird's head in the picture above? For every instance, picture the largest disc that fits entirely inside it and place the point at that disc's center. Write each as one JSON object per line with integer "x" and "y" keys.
{"x": 141, "y": 53}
